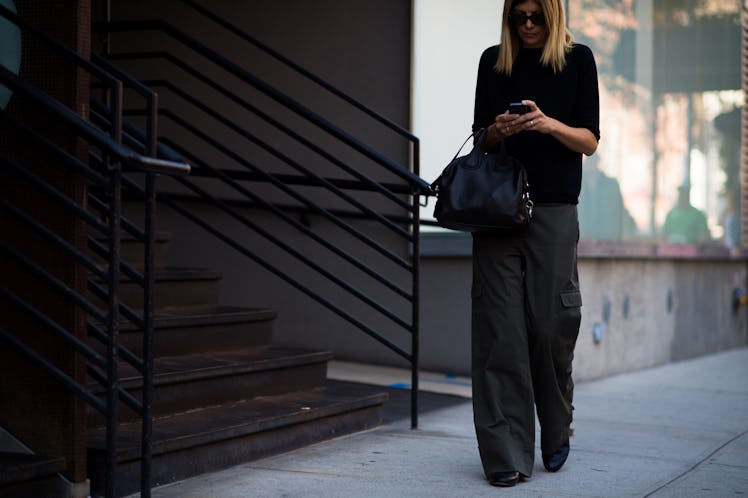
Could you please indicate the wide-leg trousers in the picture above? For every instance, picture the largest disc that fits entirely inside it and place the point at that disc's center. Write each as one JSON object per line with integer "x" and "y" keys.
{"x": 526, "y": 311}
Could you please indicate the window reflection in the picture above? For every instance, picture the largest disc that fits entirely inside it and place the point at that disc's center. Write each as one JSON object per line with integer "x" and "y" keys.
{"x": 670, "y": 98}
{"x": 603, "y": 214}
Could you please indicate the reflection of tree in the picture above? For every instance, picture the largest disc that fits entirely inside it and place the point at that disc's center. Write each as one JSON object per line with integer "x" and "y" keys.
{"x": 608, "y": 27}
{"x": 600, "y": 23}
{"x": 602, "y": 212}
{"x": 603, "y": 25}
{"x": 657, "y": 106}
{"x": 684, "y": 12}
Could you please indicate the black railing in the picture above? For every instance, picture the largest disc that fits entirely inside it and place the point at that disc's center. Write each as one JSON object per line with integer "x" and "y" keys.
{"x": 101, "y": 213}
{"x": 195, "y": 99}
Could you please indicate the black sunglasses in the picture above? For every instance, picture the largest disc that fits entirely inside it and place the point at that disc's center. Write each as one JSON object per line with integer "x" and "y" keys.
{"x": 538, "y": 19}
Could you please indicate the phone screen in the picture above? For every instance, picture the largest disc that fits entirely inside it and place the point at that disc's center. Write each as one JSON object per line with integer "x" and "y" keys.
{"x": 518, "y": 108}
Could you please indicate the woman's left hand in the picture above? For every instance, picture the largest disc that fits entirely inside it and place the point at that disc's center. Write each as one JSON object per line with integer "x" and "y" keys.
{"x": 534, "y": 120}
{"x": 577, "y": 139}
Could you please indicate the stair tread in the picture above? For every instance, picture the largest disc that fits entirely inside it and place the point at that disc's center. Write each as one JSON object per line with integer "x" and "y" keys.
{"x": 242, "y": 417}
{"x": 180, "y": 273}
{"x": 221, "y": 315}
{"x": 186, "y": 272}
{"x": 171, "y": 369}
{"x": 125, "y": 236}
{"x": 235, "y": 361}
{"x": 18, "y": 467}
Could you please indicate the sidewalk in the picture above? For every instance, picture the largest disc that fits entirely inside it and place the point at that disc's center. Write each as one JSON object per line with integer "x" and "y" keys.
{"x": 679, "y": 430}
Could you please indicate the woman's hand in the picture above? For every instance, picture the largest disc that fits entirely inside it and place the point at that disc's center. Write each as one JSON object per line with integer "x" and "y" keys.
{"x": 503, "y": 126}
{"x": 506, "y": 125}
{"x": 577, "y": 139}
{"x": 533, "y": 120}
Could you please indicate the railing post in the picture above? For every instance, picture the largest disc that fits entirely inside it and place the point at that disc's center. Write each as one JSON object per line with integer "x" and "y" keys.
{"x": 416, "y": 214}
{"x": 112, "y": 387}
{"x": 115, "y": 214}
{"x": 147, "y": 400}
{"x": 148, "y": 306}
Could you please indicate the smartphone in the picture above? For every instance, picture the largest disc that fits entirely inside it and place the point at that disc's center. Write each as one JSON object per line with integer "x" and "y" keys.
{"x": 518, "y": 108}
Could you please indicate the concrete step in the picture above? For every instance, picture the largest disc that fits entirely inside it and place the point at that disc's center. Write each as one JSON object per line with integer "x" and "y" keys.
{"x": 177, "y": 290}
{"x": 191, "y": 443}
{"x": 189, "y": 382}
{"x": 132, "y": 250}
{"x": 223, "y": 329}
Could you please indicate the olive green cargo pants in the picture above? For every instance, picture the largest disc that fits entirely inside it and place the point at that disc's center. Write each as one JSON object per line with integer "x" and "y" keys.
{"x": 525, "y": 322}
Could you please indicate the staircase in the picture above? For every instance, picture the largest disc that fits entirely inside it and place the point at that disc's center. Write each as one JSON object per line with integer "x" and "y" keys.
{"x": 24, "y": 474}
{"x": 223, "y": 394}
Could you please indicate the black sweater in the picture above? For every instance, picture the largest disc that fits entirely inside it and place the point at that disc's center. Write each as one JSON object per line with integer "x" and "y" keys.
{"x": 571, "y": 96}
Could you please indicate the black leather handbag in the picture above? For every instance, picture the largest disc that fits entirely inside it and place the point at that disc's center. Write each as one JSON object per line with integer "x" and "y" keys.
{"x": 483, "y": 191}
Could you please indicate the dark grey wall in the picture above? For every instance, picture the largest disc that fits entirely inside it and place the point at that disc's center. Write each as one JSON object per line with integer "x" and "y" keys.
{"x": 362, "y": 48}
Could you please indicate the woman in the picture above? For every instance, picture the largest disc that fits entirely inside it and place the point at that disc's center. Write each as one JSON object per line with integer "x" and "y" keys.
{"x": 525, "y": 292}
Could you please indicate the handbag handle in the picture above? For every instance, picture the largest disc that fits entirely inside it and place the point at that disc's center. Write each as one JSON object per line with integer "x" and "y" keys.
{"x": 482, "y": 132}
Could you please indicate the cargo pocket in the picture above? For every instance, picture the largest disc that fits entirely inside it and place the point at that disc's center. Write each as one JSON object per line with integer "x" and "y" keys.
{"x": 571, "y": 299}
{"x": 570, "y": 320}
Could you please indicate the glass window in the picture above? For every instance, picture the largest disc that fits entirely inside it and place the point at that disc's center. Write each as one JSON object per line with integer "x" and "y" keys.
{"x": 667, "y": 168}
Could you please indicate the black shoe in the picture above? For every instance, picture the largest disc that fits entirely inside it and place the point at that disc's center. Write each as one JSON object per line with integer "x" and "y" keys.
{"x": 503, "y": 479}
{"x": 556, "y": 460}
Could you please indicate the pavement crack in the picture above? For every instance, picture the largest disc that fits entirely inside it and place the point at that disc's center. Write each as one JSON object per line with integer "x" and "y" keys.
{"x": 697, "y": 464}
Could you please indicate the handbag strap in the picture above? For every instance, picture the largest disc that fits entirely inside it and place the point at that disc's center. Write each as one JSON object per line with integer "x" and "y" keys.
{"x": 481, "y": 132}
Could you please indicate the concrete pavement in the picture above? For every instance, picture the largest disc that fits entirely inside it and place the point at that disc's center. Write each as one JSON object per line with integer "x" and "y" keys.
{"x": 679, "y": 430}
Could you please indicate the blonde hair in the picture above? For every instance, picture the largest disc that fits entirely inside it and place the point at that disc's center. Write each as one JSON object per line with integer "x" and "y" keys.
{"x": 557, "y": 44}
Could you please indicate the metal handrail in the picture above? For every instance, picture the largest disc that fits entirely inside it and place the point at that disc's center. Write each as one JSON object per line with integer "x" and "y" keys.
{"x": 243, "y": 103}
{"x": 69, "y": 382}
{"x": 413, "y": 182}
{"x": 227, "y": 179}
{"x": 111, "y": 148}
{"x": 301, "y": 257}
{"x": 421, "y": 187}
{"x": 137, "y": 161}
{"x": 282, "y": 275}
{"x": 360, "y": 265}
{"x": 201, "y": 193}
{"x": 351, "y": 290}
{"x": 318, "y": 209}
{"x": 303, "y": 71}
